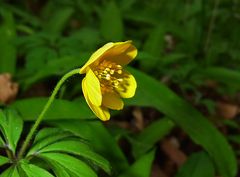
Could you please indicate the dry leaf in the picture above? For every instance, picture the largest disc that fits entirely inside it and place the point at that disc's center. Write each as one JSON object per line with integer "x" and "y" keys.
{"x": 8, "y": 89}
{"x": 227, "y": 110}
{"x": 171, "y": 148}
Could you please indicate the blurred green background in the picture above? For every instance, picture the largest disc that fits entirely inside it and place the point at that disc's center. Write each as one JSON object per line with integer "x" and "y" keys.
{"x": 187, "y": 68}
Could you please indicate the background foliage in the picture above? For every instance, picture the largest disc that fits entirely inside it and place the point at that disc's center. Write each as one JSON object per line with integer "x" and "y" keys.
{"x": 187, "y": 99}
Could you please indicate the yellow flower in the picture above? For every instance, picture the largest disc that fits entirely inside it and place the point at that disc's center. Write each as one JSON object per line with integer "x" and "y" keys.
{"x": 106, "y": 81}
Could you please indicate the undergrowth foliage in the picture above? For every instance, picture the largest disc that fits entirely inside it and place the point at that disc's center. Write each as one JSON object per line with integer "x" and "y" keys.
{"x": 186, "y": 68}
{"x": 53, "y": 149}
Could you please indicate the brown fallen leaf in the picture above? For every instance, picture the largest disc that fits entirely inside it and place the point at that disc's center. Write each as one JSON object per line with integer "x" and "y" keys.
{"x": 171, "y": 148}
{"x": 138, "y": 118}
{"x": 227, "y": 110}
{"x": 8, "y": 88}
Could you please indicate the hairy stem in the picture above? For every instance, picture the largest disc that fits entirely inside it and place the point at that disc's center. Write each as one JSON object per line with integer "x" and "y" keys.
{"x": 41, "y": 115}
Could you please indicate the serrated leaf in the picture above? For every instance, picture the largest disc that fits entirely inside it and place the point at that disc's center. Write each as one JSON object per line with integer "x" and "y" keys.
{"x": 10, "y": 172}
{"x": 100, "y": 139}
{"x": 78, "y": 148}
{"x": 3, "y": 160}
{"x": 51, "y": 138}
{"x": 198, "y": 165}
{"x": 58, "y": 169}
{"x": 111, "y": 22}
{"x": 7, "y": 173}
{"x": 11, "y": 126}
{"x": 142, "y": 166}
{"x": 34, "y": 171}
{"x": 66, "y": 109}
{"x": 44, "y": 133}
{"x": 151, "y": 92}
{"x": 74, "y": 165}
{"x": 147, "y": 138}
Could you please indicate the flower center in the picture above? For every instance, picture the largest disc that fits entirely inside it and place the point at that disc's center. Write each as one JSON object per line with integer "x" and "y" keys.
{"x": 111, "y": 77}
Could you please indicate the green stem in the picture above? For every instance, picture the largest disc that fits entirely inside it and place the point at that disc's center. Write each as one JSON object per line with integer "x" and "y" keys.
{"x": 41, "y": 115}
{"x": 211, "y": 25}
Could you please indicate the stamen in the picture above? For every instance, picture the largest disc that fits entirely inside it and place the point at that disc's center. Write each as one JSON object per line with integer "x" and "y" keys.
{"x": 111, "y": 77}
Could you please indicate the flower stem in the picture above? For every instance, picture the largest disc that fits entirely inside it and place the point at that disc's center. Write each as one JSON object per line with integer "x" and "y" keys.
{"x": 41, "y": 115}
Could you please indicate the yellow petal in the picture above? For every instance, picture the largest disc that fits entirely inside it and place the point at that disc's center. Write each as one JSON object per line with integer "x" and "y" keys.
{"x": 96, "y": 56}
{"x": 100, "y": 111}
{"x": 112, "y": 101}
{"x": 130, "y": 87}
{"x": 92, "y": 86}
{"x": 121, "y": 53}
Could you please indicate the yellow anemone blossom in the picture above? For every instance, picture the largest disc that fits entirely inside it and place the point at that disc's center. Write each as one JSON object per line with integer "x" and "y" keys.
{"x": 106, "y": 81}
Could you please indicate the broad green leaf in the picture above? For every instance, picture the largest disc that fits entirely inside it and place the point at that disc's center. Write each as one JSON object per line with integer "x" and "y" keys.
{"x": 51, "y": 138}
{"x": 154, "y": 45}
{"x": 72, "y": 164}
{"x": 3, "y": 160}
{"x": 65, "y": 109}
{"x": 59, "y": 170}
{"x": 152, "y": 93}
{"x": 149, "y": 136}
{"x": 222, "y": 75}
{"x": 111, "y": 22}
{"x": 78, "y": 148}
{"x": 52, "y": 68}
{"x": 34, "y": 171}
{"x": 11, "y": 126}
{"x": 142, "y": 167}
{"x": 7, "y": 48}
{"x": 59, "y": 18}
{"x": 198, "y": 165}
{"x": 100, "y": 140}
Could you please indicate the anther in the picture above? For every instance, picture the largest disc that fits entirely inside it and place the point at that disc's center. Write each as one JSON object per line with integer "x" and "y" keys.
{"x": 108, "y": 77}
{"x": 112, "y": 72}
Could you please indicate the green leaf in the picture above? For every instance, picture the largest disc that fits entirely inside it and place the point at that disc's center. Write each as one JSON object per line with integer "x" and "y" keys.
{"x": 7, "y": 48}
{"x": 15, "y": 173}
{"x": 10, "y": 172}
{"x": 78, "y": 148}
{"x": 65, "y": 109}
{"x": 57, "y": 22}
{"x": 11, "y": 126}
{"x": 74, "y": 165}
{"x": 155, "y": 42}
{"x": 58, "y": 169}
{"x": 7, "y": 173}
{"x": 2, "y": 143}
{"x": 40, "y": 143}
{"x": 34, "y": 171}
{"x": 52, "y": 68}
{"x": 151, "y": 92}
{"x": 144, "y": 141}
{"x": 111, "y": 22}
{"x": 222, "y": 75}
{"x": 198, "y": 165}
{"x": 3, "y": 160}
{"x": 142, "y": 167}
{"x": 100, "y": 139}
